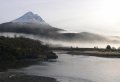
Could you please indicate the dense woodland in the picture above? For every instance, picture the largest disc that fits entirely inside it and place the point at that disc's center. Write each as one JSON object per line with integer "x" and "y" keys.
{"x": 13, "y": 49}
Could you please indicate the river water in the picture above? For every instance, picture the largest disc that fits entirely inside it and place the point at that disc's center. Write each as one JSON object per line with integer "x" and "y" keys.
{"x": 68, "y": 68}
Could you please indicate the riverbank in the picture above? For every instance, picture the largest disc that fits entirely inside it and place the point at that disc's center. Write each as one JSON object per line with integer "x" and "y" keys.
{"x": 107, "y": 54}
{"x": 20, "y": 77}
{"x": 18, "y": 52}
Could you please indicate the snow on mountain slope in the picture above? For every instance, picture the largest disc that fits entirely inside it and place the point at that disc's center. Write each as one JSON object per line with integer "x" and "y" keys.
{"x": 30, "y": 17}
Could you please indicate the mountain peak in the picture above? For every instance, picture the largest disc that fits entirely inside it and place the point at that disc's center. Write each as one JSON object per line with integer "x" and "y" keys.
{"x": 29, "y": 13}
{"x": 29, "y": 17}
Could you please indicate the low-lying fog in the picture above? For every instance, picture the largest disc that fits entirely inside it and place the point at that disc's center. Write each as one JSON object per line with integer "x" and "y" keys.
{"x": 58, "y": 43}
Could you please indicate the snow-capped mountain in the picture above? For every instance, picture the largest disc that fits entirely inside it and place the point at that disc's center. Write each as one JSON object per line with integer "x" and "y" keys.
{"x": 29, "y": 17}
{"x": 29, "y": 23}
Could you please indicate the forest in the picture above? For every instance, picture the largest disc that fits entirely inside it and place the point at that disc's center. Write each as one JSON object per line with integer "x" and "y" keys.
{"x": 19, "y": 48}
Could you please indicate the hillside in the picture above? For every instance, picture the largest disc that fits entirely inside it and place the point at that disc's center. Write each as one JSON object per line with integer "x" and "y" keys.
{"x": 28, "y": 28}
{"x": 84, "y": 37}
{"x": 15, "y": 49}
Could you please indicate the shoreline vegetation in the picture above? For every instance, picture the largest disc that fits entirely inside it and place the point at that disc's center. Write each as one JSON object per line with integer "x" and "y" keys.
{"x": 18, "y": 49}
{"x": 21, "y": 52}
{"x": 108, "y": 52}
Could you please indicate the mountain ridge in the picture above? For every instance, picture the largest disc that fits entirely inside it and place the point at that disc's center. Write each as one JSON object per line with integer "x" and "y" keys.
{"x": 31, "y": 23}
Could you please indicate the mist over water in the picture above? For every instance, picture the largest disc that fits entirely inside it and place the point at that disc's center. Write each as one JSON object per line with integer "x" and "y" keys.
{"x": 69, "y": 68}
{"x": 60, "y": 43}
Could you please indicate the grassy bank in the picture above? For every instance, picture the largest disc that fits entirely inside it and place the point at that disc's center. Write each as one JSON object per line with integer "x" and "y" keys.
{"x": 107, "y": 54}
{"x": 99, "y": 52}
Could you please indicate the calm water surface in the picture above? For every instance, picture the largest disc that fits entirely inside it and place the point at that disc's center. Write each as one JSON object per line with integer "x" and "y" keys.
{"x": 70, "y": 68}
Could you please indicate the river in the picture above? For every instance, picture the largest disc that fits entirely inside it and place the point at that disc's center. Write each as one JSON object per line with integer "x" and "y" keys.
{"x": 69, "y": 68}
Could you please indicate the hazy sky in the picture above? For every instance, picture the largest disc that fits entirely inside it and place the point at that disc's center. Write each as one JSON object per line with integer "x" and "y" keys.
{"x": 102, "y": 16}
